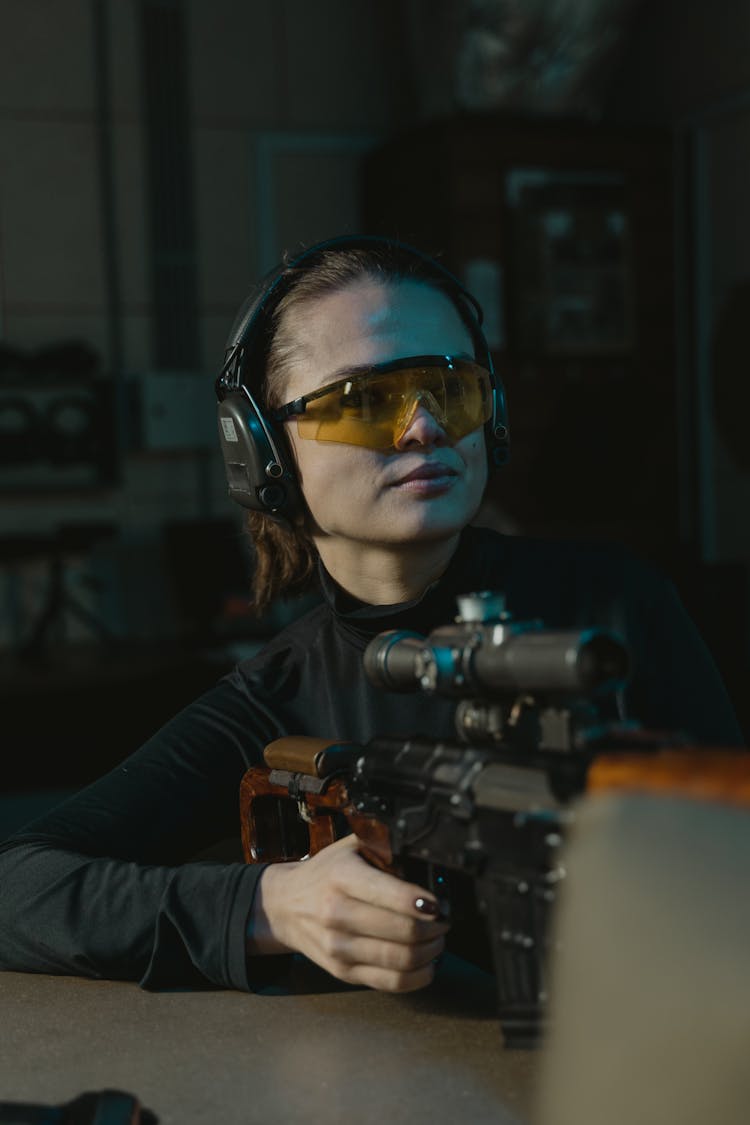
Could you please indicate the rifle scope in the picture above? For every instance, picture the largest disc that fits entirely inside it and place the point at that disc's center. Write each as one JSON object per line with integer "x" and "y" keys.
{"x": 493, "y": 655}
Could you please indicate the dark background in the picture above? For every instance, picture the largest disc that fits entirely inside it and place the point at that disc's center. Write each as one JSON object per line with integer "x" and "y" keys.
{"x": 584, "y": 166}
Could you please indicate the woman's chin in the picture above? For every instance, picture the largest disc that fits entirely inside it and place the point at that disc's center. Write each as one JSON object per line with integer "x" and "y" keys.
{"x": 426, "y": 522}
{"x": 399, "y": 518}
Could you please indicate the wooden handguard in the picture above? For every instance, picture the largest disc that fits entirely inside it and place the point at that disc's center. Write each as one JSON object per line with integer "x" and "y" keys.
{"x": 298, "y": 770}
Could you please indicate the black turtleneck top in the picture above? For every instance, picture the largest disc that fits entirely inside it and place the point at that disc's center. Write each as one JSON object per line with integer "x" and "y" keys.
{"x": 107, "y": 885}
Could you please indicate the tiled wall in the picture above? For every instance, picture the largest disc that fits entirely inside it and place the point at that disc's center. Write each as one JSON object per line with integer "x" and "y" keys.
{"x": 284, "y": 68}
{"x": 284, "y": 97}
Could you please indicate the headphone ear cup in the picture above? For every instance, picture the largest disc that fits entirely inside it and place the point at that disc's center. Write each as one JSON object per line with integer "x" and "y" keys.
{"x": 497, "y": 435}
{"x": 258, "y": 470}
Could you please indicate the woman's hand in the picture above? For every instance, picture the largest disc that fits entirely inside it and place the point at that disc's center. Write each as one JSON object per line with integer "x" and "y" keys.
{"x": 360, "y": 924}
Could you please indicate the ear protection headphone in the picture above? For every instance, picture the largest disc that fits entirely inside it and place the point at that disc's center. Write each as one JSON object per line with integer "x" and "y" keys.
{"x": 259, "y": 467}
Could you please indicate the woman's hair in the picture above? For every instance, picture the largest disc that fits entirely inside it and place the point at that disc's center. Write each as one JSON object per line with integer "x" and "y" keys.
{"x": 285, "y": 555}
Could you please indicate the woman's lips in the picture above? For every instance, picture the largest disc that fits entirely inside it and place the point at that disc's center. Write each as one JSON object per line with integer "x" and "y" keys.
{"x": 427, "y": 480}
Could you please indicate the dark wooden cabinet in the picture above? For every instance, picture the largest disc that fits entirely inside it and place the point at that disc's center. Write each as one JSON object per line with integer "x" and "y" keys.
{"x": 568, "y": 226}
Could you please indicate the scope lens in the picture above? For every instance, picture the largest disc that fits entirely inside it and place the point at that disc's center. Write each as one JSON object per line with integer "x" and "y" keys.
{"x": 390, "y": 659}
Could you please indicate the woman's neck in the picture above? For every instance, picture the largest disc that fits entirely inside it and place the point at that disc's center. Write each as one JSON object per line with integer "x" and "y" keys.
{"x": 385, "y": 574}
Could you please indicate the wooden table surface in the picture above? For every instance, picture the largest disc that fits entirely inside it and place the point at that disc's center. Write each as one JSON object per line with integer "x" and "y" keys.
{"x": 311, "y": 1053}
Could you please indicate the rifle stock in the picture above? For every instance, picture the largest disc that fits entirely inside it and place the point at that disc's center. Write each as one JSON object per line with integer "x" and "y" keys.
{"x": 302, "y": 769}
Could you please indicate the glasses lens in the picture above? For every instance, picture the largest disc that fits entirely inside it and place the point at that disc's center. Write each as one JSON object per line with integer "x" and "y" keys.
{"x": 373, "y": 410}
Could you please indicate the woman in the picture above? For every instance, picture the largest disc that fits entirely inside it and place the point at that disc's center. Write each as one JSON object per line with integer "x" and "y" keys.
{"x": 385, "y": 466}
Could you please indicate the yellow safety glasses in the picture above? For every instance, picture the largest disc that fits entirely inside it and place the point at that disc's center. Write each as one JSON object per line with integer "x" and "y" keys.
{"x": 374, "y": 406}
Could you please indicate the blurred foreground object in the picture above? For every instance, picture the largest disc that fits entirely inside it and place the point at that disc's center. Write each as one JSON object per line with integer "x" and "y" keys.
{"x": 106, "y": 1107}
{"x": 650, "y": 1015}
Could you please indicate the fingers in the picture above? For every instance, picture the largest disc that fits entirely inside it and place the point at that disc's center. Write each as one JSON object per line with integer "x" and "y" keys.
{"x": 348, "y": 950}
{"x": 361, "y": 924}
{"x": 387, "y": 981}
{"x": 360, "y": 880}
{"x": 390, "y": 966}
{"x": 353, "y": 916}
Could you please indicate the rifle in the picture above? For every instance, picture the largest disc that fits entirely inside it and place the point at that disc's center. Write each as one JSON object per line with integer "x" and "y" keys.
{"x": 490, "y": 808}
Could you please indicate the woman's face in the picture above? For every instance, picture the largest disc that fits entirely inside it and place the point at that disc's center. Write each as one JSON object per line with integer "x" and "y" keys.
{"x": 364, "y": 494}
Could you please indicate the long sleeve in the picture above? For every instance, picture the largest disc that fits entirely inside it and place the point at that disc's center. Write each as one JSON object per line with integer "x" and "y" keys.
{"x": 104, "y": 885}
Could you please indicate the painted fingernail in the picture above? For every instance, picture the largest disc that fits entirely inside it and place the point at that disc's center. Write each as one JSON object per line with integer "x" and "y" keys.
{"x": 426, "y": 906}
